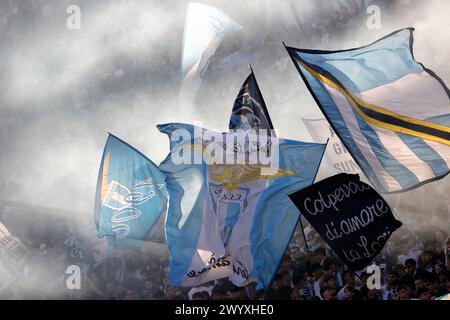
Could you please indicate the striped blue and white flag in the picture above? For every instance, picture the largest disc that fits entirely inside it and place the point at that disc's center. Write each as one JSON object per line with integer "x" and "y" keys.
{"x": 131, "y": 193}
{"x": 231, "y": 220}
{"x": 391, "y": 112}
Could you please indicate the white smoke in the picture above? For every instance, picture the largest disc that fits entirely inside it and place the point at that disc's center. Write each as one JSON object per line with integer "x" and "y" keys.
{"x": 54, "y": 115}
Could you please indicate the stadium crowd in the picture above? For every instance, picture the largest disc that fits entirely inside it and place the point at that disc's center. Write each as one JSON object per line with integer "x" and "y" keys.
{"x": 414, "y": 262}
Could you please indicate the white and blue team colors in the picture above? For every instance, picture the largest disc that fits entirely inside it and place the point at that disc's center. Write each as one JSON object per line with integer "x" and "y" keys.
{"x": 231, "y": 220}
{"x": 131, "y": 192}
{"x": 391, "y": 112}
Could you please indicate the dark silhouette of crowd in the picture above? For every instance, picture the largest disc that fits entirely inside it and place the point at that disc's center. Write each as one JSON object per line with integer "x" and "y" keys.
{"x": 414, "y": 264}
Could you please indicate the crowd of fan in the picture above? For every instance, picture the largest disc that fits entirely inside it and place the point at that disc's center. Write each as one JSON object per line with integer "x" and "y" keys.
{"x": 414, "y": 265}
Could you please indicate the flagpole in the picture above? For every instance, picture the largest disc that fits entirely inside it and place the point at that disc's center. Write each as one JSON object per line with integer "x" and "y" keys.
{"x": 306, "y": 244}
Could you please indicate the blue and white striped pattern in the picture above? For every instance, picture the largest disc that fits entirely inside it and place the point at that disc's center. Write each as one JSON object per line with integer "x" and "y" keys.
{"x": 391, "y": 112}
{"x": 237, "y": 225}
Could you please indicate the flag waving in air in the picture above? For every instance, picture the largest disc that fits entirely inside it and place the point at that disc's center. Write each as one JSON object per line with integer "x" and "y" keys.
{"x": 391, "y": 112}
{"x": 231, "y": 218}
{"x": 249, "y": 110}
{"x": 13, "y": 256}
{"x": 204, "y": 30}
{"x": 131, "y": 192}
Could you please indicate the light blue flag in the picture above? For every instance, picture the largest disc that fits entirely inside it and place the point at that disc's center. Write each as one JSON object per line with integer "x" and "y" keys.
{"x": 230, "y": 220}
{"x": 131, "y": 192}
{"x": 390, "y": 111}
{"x": 444, "y": 297}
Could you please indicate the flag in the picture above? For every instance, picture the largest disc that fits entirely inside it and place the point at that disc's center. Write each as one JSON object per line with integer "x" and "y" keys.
{"x": 249, "y": 110}
{"x": 337, "y": 157}
{"x": 231, "y": 220}
{"x": 131, "y": 192}
{"x": 204, "y": 30}
{"x": 350, "y": 216}
{"x": 289, "y": 16}
{"x": 391, "y": 112}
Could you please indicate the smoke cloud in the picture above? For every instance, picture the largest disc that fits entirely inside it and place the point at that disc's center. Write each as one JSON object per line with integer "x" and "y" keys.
{"x": 63, "y": 90}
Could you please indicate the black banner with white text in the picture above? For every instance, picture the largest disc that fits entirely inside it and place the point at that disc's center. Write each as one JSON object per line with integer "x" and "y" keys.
{"x": 352, "y": 218}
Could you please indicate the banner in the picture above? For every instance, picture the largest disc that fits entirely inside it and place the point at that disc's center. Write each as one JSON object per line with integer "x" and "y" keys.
{"x": 231, "y": 219}
{"x": 337, "y": 157}
{"x": 350, "y": 216}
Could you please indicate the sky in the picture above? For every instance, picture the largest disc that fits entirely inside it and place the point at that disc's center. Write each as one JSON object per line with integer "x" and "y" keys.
{"x": 63, "y": 90}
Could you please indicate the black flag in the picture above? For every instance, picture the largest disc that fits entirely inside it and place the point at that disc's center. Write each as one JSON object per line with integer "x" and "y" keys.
{"x": 249, "y": 110}
{"x": 352, "y": 218}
